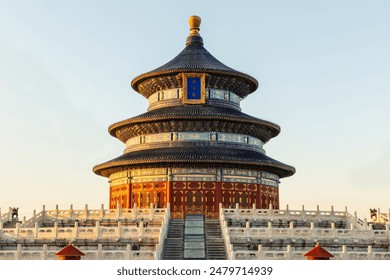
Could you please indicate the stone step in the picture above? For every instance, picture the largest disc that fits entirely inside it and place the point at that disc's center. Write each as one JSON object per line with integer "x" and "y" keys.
{"x": 215, "y": 245}
{"x": 176, "y": 228}
{"x": 186, "y": 237}
{"x": 173, "y": 244}
{"x": 173, "y": 249}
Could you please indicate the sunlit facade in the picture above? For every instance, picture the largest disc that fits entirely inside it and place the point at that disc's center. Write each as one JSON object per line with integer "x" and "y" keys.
{"x": 194, "y": 148}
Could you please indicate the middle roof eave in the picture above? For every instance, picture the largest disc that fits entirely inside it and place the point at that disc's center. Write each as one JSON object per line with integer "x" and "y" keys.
{"x": 193, "y": 113}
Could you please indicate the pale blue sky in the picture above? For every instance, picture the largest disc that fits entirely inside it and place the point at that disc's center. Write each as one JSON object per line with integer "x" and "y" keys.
{"x": 323, "y": 69}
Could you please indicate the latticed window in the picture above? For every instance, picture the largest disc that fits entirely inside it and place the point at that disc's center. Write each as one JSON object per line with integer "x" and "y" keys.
{"x": 190, "y": 199}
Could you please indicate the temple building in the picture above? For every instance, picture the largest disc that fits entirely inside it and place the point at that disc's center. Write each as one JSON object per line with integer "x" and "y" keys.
{"x": 194, "y": 182}
{"x": 194, "y": 148}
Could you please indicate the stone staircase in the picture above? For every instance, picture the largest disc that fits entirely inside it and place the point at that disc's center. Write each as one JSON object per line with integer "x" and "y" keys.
{"x": 173, "y": 245}
{"x": 215, "y": 245}
{"x": 194, "y": 238}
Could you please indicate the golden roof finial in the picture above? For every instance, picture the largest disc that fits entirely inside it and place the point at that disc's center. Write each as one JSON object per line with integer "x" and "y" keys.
{"x": 194, "y": 22}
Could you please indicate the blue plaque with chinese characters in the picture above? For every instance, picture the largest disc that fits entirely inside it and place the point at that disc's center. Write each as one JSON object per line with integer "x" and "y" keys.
{"x": 194, "y": 90}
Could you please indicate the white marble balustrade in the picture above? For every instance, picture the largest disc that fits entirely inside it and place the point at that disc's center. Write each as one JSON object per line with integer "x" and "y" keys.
{"x": 313, "y": 233}
{"x": 94, "y": 232}
{"x": 356, "y": 231}
{"x": 286, "y": 214}
{"x": 131, "y": 214}
{"x": 290, "y": 254}
{"x": 99, "y": 254}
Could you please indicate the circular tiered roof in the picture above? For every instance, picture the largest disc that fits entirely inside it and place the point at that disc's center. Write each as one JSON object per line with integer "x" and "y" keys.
{"x": 194, "y": 118}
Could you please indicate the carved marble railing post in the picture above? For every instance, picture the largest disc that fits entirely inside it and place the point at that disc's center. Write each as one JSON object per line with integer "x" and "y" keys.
{"x": 227, "y": 245}
{"x": 34, "y": 218}
{"x": 118, "y": 210}
{"x": 97, "y": 226}
{"x": 333, "y": 229}
{"x": 86, "y": 214}
{"x": 312, "y": 231}
{"x": 168, "y": 209}
{"x": 160, "y": 244}
{"x": 303, "y": 215}
{"x": 128, "y": 252}
{"x": 271, "y": 211}
{"x": 151, "y": 211}
{"x": 135, "y": 211}
{"x": 355, "y": 218}
{"x": 141, "y": 230}
{"x": 43, "y": 212}
{"x": 99, "y": 252}
{"x": 71, "y": 212}
{"x": 36, "y": 230}
{"x": 44, "y": 252}
{"x": 156, "y": 252}
{"x": 55, "y": 229}
{"x": 370, "y": 255}
{"x": 56, "y": 212}
{"x": 291, "y": 229}
{"x": 289, "y": 254}
{"x": 231, "y": 252}
{"x": 18, "y": 252}
{"x": 270, "y": 230}
{"x": 76, "y": 230}
{"x": 332, "y": 211}
{"x": 17, "y": 230}
{"x": 287, "y": 211}
{"x": 101, "y": 212}
{"x": 224, "y": 228}
{"x": 344, "y": 252}
{"x": 260, "y": 252}
{"x": 119, "y": 229}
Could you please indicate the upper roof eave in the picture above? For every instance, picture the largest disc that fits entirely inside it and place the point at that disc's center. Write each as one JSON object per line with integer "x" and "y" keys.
{"x": 195, "y": 58}
{"x": 252, "y": 82}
